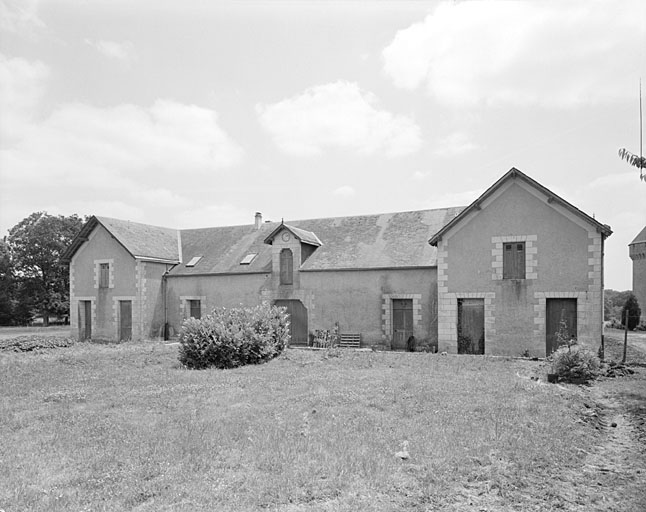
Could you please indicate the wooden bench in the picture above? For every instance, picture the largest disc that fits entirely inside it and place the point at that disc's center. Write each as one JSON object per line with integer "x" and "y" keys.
{"x": 351, "y": 340}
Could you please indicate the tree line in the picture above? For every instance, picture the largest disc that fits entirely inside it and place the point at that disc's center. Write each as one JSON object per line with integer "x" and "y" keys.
{"x": 33, "y": 282}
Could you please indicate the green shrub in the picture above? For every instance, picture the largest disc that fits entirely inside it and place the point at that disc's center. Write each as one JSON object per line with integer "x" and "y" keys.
{"x": 575, "y": 363}
{"x": 228, "y": 338}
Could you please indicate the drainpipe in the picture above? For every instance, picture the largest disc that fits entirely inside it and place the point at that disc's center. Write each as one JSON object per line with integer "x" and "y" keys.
{"x": 165, "y": 299}
{"x": 603, "y": 344}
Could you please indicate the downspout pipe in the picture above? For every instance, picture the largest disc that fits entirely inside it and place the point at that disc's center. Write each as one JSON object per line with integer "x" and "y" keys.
{"x": 164, "y": 285}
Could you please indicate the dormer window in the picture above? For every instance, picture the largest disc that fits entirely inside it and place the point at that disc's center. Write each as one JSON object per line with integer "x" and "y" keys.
{"x": 286, "y": 267}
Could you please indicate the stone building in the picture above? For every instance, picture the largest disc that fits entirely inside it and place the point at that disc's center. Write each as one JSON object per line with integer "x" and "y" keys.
{"x": 497, "y": 277}
{"x": 637, "y": 252}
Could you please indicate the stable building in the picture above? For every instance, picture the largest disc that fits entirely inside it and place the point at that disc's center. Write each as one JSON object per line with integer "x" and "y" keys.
{"x": 496, "y": 277}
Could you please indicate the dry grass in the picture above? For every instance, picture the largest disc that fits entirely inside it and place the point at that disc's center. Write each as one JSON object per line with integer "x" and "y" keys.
{"x": 124, "y": 427}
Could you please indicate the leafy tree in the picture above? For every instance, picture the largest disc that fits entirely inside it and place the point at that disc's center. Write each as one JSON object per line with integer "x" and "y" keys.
{"x": 632, "y": 309}
{"x": 6, "y": 285}
{"x": 37, "y": 243}
{"x": 614, "y": 302}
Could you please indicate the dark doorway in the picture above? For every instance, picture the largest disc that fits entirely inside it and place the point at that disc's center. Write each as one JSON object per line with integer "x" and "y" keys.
{"x": 471, "y": 333}
{"x": 125, "y": 320}
{"x": 557, "y": 311}
{"x": 297, "y": 320}
{"x": 402, "y": 323}
{"x": 85, "y": 320}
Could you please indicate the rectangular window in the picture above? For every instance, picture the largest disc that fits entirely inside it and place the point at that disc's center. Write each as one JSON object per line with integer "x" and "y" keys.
{"x": 104, "y": 275}
{"x": 195, "y": 309}
{"x": 513, "y": 260}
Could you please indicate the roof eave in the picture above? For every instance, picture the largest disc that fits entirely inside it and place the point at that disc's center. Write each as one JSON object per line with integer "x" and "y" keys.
{"x": 603, "y": 229}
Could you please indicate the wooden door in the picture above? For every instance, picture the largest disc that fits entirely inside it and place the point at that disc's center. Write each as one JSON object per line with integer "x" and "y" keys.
{"x": 471, "y": 333}
{"x": 297, "y": 320}
{"x": 402, "y": 323}
{"x": 557, "y": 311}
{"x": 85, "y": 320}
{"x": 125, "y": 320}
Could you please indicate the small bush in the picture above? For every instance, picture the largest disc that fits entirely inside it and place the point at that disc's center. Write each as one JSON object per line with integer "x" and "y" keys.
{"x": 228, "y": 338}
{"x": 575, "y": 363}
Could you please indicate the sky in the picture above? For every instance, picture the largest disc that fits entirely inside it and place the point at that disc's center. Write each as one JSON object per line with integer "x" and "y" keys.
{"x": 201, "y": 113}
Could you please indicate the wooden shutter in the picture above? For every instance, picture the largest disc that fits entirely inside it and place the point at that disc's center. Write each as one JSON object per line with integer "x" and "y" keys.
{"x": 104, "y": 275}
{"x": 513, "y": 262}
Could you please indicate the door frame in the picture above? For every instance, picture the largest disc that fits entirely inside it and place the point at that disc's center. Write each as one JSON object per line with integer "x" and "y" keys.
{"x": 121, "y": 324}
{"x": 84, "y": 311}
{"x": 552, "y": 324}
{"x": 302, "y": 331}
{"x": 400, "y": 339}
{"x": 471, "y": 304}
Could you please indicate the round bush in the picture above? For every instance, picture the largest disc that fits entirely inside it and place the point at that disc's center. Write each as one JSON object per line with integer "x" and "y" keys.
{"x": 575, "y": 363}
{"x": 228, "y": 338}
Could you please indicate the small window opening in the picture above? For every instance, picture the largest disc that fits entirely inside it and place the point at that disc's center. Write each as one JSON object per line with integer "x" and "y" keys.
{"x": 248, "y": 258}
{"x": 286, "y": 267}
{"x": 104, "y": 275}
{"x": 195, "y": 309}
{"x": 513, "y": 262}
{"x": 194, "y": 261}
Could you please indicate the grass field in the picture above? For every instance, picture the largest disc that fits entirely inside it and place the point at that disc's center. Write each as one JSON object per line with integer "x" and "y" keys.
{"x": 124, "y": 427}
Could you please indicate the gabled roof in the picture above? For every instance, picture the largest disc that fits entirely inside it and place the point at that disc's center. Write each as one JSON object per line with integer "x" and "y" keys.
{"x": 512, "y": 174}
{"x": 389, "y": 240}
{"x": 640, "y": 238}
{"x": 306, "y": 237}
{"x": 140, "y": 240}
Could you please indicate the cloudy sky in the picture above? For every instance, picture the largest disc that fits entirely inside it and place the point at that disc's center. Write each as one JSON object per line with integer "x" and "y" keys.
{"x": 200, "y": 113}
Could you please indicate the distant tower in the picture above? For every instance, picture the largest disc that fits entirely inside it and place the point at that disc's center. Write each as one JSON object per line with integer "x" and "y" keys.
{"x": 637, "y": 251}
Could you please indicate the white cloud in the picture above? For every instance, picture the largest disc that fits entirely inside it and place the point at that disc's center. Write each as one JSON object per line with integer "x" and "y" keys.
{"x": 344, "y": 191}
{"x": 123, "y": 51}
{"x": 153, "y": 157}
{"x": 20, "y": 17}
{"x": 547, "y": 53}
{"x": 421, "y": 175}
{"x": 455, "y": 144}
{"x": 338, "y": 115}
{"x": 127, "y": 140}
{"x": 21, "y": 89}
{"x": 212, "y": 215}
{"x": 451, "y": 199}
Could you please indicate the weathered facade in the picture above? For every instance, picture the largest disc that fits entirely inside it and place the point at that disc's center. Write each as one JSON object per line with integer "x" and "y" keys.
{"x": 514, "y": 265}
{"x": 496, "y": 277}
{"x": 637, "y": 252}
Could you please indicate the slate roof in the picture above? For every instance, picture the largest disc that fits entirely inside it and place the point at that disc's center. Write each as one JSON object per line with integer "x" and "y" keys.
{"x": 140, "y": 240}
{"x": 390, "y": 240}
{"x": 640, "y": 238}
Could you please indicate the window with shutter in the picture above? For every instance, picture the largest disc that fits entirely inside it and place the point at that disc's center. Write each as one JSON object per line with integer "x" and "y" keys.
{"x": 104, "y": 275}
{"x": 513, "y": 261}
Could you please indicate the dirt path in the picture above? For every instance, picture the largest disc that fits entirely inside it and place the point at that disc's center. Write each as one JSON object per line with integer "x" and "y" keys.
{"x": 613, "y": 474}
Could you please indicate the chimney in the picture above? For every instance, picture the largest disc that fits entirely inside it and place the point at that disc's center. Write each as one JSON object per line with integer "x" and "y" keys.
{"x": 258, "y": 220}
